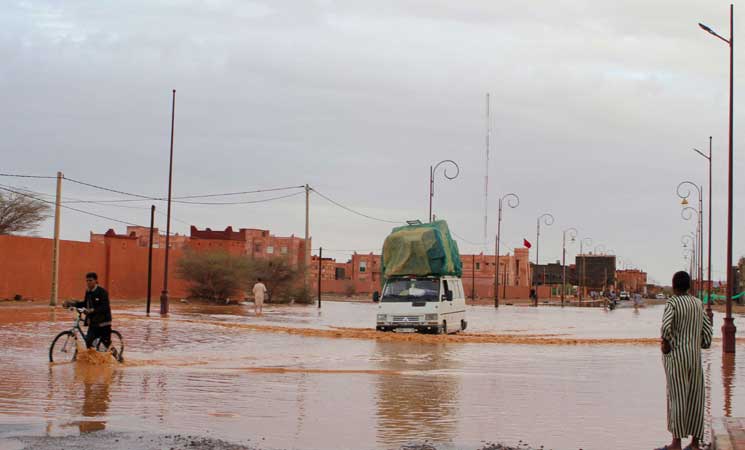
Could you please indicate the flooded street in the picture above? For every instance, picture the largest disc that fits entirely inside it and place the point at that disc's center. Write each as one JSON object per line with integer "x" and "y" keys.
{"x": 301, "y": 378}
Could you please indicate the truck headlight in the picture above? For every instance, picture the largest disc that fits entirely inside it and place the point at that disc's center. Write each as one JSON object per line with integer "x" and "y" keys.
{"x": 430, "y": 317}
{"x": 382, "y": 317}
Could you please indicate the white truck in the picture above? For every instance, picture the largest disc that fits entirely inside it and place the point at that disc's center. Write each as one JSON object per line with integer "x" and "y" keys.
{"x": 423, "y": 290}
{"x": 422, "y": 303}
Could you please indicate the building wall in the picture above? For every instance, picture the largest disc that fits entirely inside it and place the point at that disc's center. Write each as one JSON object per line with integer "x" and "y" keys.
{"x": 631, "y": 280}
{"x": 596, "y": 271}
{"x": 121, "y": 261}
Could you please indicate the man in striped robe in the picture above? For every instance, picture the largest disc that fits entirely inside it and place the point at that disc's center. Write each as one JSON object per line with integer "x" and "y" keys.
{"x": 685, "y": 331}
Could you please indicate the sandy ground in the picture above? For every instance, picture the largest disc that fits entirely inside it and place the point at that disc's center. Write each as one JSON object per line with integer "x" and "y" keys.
{"x": 128, "y": 441}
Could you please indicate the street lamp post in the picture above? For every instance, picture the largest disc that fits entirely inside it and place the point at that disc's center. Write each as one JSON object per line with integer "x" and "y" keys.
{"x": 601, "y": 252}
{"x": 582, "y": 243}
{"x": 687, "y": 215}
{"x": 728, "y": 329}
{"x": 548, "y": 220}
{"x": 432, "y": 171}
{"x": 690, "y": 241}
{"x": 709, "y": 311}
{"x": 573, "y": 236}
{"x": 513, "y": 201}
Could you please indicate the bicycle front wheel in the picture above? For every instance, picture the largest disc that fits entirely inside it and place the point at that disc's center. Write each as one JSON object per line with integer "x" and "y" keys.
{"x": 64, "y": 347}
{"x": 116, "y": 347}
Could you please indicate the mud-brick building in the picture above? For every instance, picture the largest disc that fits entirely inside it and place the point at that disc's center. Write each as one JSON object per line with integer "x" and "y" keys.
{"x": 596, "y": 272}
{"x": 633, "y": 280}
{"x": 552, "y": 274}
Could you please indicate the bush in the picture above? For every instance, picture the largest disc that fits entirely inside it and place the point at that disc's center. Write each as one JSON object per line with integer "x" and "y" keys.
{"x": 302, "y": 295}
{"x": 279, "y": 276}
{"x": 214, "y": 275}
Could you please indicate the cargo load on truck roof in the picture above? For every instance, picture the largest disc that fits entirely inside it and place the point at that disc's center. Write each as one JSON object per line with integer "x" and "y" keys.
{"x": 421, "y": 249}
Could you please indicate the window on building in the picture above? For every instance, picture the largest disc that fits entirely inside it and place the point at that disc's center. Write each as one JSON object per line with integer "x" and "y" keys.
{"x": 257, "y": 248}
{"x": 283, "y": 250}
{"x": 363, "y": 266}
{"x": 478, "y": 266}
{"x": 270, "y": 250}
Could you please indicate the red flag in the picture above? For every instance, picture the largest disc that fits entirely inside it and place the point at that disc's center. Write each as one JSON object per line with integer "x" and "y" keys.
{"x": 527, "y": 244}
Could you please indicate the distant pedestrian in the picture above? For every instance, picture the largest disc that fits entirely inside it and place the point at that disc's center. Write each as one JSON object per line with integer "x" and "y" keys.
{"x": 685, "y": 331}
{"x": 259, "y": 293}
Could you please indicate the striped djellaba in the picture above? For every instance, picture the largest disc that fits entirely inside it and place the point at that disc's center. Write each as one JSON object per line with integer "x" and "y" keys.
{"x": 688, "y": 329}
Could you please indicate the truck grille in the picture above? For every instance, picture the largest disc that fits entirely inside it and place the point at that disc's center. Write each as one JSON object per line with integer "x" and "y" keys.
{"x": 406, "y": 319}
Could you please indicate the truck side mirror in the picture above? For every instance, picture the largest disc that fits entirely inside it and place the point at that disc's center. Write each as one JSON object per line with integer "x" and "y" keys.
{"x": 376, "y": 296}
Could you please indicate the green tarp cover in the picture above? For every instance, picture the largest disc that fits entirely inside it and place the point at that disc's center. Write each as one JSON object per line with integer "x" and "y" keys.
{"x": 424, "y": 249}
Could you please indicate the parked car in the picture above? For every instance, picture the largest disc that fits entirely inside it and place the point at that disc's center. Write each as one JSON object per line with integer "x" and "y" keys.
{"x": 624, "y": 295}
{"x": 660, "y": 296}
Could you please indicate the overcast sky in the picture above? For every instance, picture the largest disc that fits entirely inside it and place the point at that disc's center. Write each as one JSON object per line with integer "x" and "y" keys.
{"x": 595, "y": 109}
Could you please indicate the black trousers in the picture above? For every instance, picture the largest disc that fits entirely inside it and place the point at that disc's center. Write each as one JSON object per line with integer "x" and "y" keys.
{"x": 104, "y": 333}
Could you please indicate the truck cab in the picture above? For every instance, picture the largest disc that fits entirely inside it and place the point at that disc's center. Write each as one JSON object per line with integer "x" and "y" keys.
{"x": 434, "y": 304}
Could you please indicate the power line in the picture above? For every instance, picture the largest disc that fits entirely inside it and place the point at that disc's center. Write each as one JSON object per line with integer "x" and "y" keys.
{"x": 15, "y": 175}
{"x": 247, "y": 202}
{"x": 83, "y": 183}
{"x": 70, "y": 207}
{"x": 174, "y": 199}
{"x": 142, "y": 208}
{"x": 353, "y": 211}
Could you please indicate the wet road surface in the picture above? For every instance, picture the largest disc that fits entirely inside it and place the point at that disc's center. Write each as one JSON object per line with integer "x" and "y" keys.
{"x": 566, "y": 378}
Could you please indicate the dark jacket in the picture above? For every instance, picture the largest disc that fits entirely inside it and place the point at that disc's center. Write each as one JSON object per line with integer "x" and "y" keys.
{"x": 98, "y": 301}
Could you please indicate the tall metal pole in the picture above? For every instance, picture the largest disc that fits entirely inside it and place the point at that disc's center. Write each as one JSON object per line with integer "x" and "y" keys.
{"x": 486, "y": 176}
{"x": 320, "y": 268}
{"x": 473, "y": 277}
{"x": 306, "y": 257}
{"x": 496, "y": 256}
{"x": 548, "y": 220}
{"x": 709, "y": 311}
{"x": 432, "y": 172}
{"x": 701, "y": 242}
{"x": 150, "y": 258}
{"x": 431, "y": 190}
{"x": 728, "y": 329}
{"x": 513, "y": 201}
{"x": 573, "y": 234}
{"x": 563, "y": 266}
{"x": 164, "y": 293}
{"x": 55, "y": 245}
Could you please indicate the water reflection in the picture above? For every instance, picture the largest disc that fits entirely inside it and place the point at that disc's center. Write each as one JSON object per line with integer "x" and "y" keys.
{"x": 96, "y": 396}
{"x": 728, "y": 377}
{"x": 423, "y": 402}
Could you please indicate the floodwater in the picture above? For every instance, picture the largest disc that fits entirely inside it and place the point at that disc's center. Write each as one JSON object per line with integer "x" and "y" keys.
{"x": 302, "y": 378}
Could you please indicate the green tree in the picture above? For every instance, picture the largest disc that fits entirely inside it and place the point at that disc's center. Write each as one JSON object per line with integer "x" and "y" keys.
{"x": 213, "y": 275}
{"x": 282, "y": 280}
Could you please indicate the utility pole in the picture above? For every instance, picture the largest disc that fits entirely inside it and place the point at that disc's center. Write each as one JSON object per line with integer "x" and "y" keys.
{"x": 320, "y": 268}
{"x": 164, "y": 293}
{"x": 473, "y": 277}
{"x": 150, "y": 258}
{"x": 307, "y": 240}
{"x": 55, "y": 245}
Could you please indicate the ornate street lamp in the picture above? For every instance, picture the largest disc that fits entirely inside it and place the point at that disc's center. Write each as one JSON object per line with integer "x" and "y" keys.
{"x": 513, "y": 201}
{"x": 573, "y": 236}
{"x": 548, "y": 220}
{"x": 582, "y": 243}
{"x": 432, "y": 171}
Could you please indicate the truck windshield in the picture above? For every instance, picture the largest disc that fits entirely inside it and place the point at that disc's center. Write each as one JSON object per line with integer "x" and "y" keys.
{"x": 410, "y": 290}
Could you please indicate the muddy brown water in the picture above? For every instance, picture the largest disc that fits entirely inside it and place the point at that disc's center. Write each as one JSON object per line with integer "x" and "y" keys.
{"x": 301, "y": 378}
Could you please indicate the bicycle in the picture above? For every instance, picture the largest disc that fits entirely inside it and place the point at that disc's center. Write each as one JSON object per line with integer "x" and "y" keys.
{"x": 65, "y": 345}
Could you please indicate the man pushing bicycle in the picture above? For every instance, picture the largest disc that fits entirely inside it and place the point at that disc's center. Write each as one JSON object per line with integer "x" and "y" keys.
{"x": 98, "y": 317}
